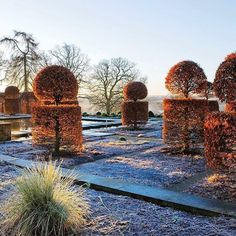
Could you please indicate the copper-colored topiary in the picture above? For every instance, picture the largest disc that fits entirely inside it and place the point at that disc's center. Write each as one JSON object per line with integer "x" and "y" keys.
{"x": 225, "y": 80}
{"x": 185, "y": 78}
{"x": 26, "y": 101}
{"x": 231, "y": 56}
{"x": 57, "y": 115}
{"x": 12, "y": 92}
{"x": 55, "y": 84}
{"x": 184, "y": 116}
{"x": 220, "y": 128}
{"x": 220, "y": 141}
{"x": 230, "y": 107}
{"x": 69, "y": 119}
{"x": 135, "y": 90}
{"x": 183, "y": 126}
{"x": 134, "y": 113}
{"x": 11, "y": 104}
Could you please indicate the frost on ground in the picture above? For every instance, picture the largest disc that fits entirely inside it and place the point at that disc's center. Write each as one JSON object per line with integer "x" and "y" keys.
{"x": 120, "y": 215}
{"x": 217, "y": 186}
{"x": 149, "y": 167}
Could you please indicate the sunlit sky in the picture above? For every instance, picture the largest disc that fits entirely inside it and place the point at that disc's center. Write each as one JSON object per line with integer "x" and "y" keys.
{"x": 155, "y": 34}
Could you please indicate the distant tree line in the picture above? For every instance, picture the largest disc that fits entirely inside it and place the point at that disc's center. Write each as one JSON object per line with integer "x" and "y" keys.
{"x": 102, "y": 83}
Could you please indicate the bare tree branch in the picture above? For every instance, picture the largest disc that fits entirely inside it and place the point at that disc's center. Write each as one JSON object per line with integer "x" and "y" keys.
{"x": 21, "y": 67}
{"x": 107, "y": 82}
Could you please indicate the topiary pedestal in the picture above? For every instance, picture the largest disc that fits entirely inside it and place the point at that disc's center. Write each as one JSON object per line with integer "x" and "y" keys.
{"x": 183, "y": 126}
{"x": 134, "y": 114}
{"x": 220, "y": 141}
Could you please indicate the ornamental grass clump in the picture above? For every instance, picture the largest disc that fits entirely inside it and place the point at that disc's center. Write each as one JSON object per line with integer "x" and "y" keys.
{"x": 44, "y": 204}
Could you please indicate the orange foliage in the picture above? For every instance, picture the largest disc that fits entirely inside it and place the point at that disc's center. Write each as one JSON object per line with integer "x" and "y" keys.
{"x": 185, "y": 78}
{"x": 69, "y": 118}
{"x": 220, "y": 128}
{"x": 134, "y": 113}
{"x": 220, "y": 140}
{"x": 184, "y": 121}
{"x": 230, "y": 107}
{"x": 57, "y": 115}
{"x": 231, "y": 56}
{"x": 225, "y": 80}
{"x": 55, "y": 84}
{"x": 135, "y": 90}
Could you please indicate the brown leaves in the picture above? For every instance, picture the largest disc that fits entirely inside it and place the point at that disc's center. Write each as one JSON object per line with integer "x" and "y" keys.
{"x": 184, "y": 121}
{"x": 135, "y": 90}
{"x": 225, "y": 80}
{"x": 55, "y": 84}
{"x": 70, "y": 125}
{"x": 186, "y": 77}
{"x": 134, "y": 113}
{"x": 220, "y": 136}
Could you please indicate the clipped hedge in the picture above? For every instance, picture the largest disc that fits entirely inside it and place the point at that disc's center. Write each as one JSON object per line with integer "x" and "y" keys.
{"x": 230, "y": 107}
{"x": 184, "y": 121}
{"x": 134, "y": 113}
{"x": 12, "y": 106}
{"x": 26, "y": 101}
{"x": 69, "y": 120}
{"x": 220, "y": 136}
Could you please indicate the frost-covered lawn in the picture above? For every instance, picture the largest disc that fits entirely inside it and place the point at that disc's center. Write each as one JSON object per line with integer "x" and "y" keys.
{"x": 137, "y": 157}
{"x": 119, "y": 215}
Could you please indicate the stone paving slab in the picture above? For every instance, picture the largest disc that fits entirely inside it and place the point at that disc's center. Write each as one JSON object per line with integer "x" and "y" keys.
{"x": 155, "y": 195}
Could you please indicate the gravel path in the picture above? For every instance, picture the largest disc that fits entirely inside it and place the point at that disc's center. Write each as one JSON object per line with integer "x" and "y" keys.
{"x": 120, "y": 215}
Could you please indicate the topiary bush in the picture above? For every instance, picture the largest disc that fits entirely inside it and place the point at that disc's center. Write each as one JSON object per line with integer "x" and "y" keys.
{"x": 57, "y": 115}
{"x": 225, "y": 80}
{"x": 55, "y": 84}
{"x": 220, "y": 136}
{"x": 98, "y": 113}
{"x": 134, "y": 112}
{"x": 220, "y": 128}
{"x": 186, "y": 78}
{"x": 135, "y": 90}
{"x": 27, "y": 99}
{"x": 45, "y": 204}
{"x": 183, "y": 127}
{"x": 12, "y": 105}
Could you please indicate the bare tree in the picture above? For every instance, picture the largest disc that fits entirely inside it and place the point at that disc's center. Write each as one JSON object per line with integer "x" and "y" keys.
{"x": 20, "y": 68}
{"x": 107, "y": 82}
{"x": 71, "y": 57}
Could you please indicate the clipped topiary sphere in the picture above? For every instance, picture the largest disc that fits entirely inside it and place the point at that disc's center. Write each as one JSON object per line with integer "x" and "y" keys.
{"x": 225, "y": 80}
{"x": 12, "y": 92}
{"x": 185, "y": 78}
{"x": 135, "y": 90}
{"x": 55, "y": 84}
{"x": 231, "y": 56}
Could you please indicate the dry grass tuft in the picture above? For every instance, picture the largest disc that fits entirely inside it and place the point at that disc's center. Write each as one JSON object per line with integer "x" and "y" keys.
{"x": 44, "y": 204}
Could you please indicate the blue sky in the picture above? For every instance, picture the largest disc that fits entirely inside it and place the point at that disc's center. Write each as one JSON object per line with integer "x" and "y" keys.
{"x": 153, "y": 33}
